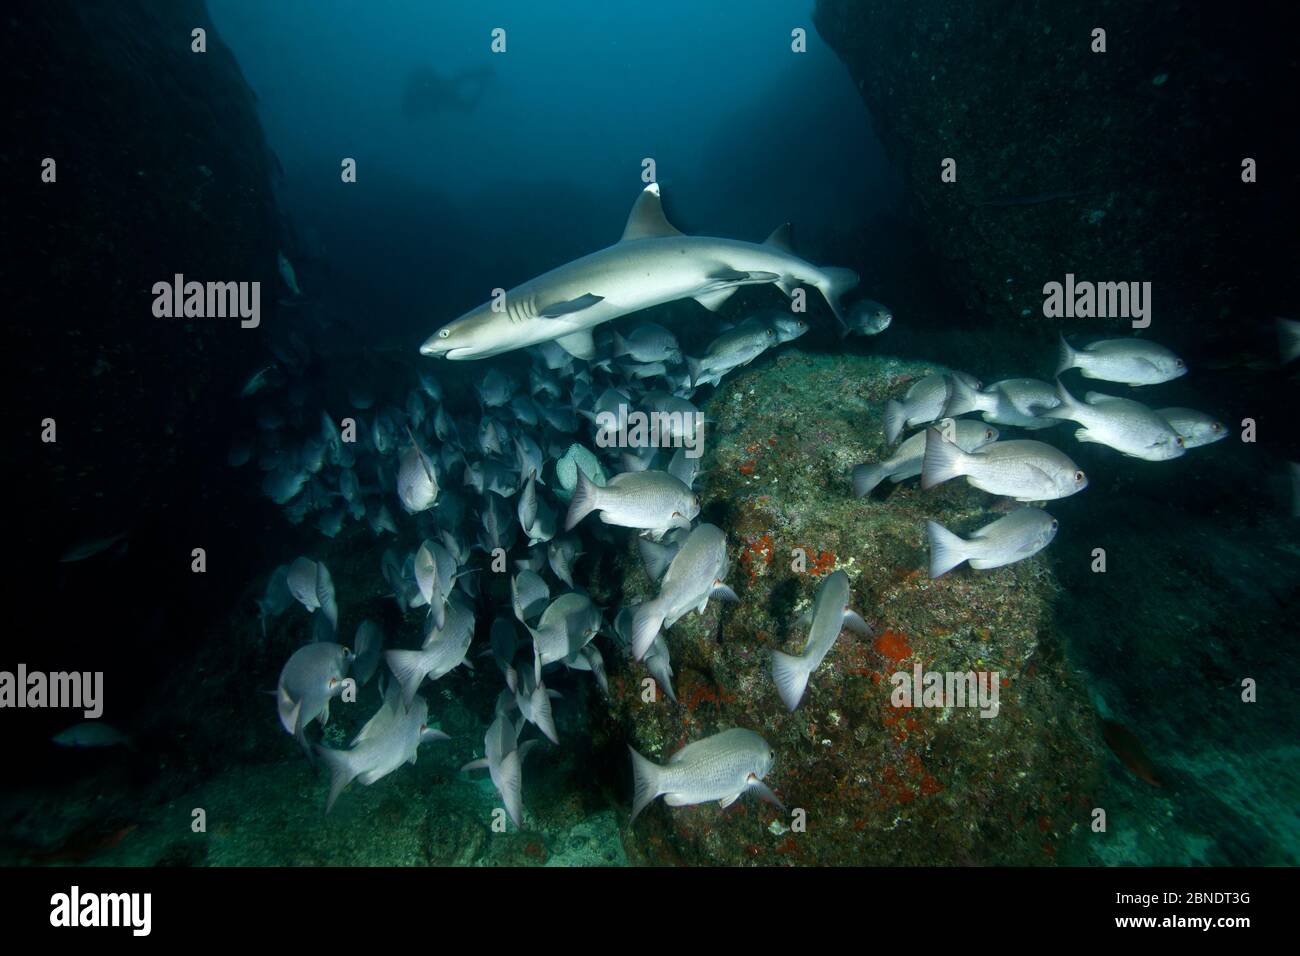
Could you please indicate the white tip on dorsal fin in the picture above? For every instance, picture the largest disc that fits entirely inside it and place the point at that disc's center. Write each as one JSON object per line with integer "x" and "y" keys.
{"x": 647, "y": 218}
{"x": 781, "y": 237}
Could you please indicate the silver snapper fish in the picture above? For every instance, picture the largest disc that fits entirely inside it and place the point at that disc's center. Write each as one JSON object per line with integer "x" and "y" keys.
{"x": 1128, "y": 361}
{"x": 924, "y": 402}
{"x": 905, "y": 462}
{"x": 648, "y": 343}
{"x": 653, "y": 263}
{"x": 568, "y": 624}
{"x": 830, "y": 614}
{"x": 722, "y": 767}
{"x": 310, "y": 583}
{"x": 536, "y": 517}
{"x": 652, "y": 501}
{"x": 1024, "y": 470}
{"x": 1195, "y": 428}
{"x": 694, "y": 575}
{"x": 730, "y": 350}
{"x": 417, "y": 481}
{"x": 391, "y": 738}
{"x": 503, "y": 760}
{"x": 1019, "y": 535}
{"x": 444, "y": 650}
{"x": 869, "y": 318}
{"x": 1119, "y": 423}
{"x": 311, "y": 677}
{"x": 1013, "y": 401}
{"x": 368, "y": 649}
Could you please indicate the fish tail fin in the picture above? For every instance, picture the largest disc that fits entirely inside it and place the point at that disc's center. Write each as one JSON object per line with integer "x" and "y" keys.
{"x": 620, "y": 345}
{"x": 943, "y": 460}
{"x": 512, "y": 787}
{"x": 835, "y": 282}
{"x": 1066, "y": 410}
{"x": 895, "y": 419}
{"x": 695, "y": 369}
{"x": 408, "y": 668}
{"x": 645, "y": 782}
{"x": 646, "y": 623}
{"x": 341, "y": 772}
{"x": 791, "y": 676}
{"x": 866, "y": 478}
{"x": 583, "y": 503}
{"x": 947, "y": 550}
{"x": 961, "y": 398}
{"x": 1065, "y": 357}
{"x": 543, "y": 716}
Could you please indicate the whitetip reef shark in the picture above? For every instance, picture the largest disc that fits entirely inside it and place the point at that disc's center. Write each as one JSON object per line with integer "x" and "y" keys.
{"x": 651, "y": 264}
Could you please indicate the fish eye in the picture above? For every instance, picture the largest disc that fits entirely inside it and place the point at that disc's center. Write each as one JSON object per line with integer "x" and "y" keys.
{"x": 769, "y": 333}
{"x": 988, "y": 433}
{"x": 1055, "y": 524}
{"x": 443, "y": 333}
{"x": 1078, "y": 476}
{"x": 1178, "y": 363}
{"x": 1215, "y": 427}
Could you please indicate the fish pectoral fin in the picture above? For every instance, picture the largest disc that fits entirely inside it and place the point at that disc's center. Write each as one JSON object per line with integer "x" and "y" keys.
{"x": 854, "y": 622}
{"x": 557, "y": 309}
{"x": 578, "y": 344}
{"x": 728, "y": 801}
{"x": 764, "y": 791}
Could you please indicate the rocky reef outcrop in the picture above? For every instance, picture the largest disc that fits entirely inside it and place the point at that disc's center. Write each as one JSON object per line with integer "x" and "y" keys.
{"x": 879, "y": 784}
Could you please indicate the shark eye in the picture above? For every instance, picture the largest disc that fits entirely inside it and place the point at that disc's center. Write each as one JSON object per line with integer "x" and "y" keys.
{"x": 769, "y": 333}
{"x": 443, "y": 333}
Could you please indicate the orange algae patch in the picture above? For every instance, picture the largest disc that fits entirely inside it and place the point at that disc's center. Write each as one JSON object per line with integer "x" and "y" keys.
{"x": 747, "y": 468}
{"x": 893, "y": 645}
{"x": 757, "y": 553}
{"x": 822, "y": 563}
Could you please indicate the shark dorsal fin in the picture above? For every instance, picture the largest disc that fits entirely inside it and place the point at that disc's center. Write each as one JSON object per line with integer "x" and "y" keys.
{"x": 781, "y": 238}
{"x": 647, "y": 219}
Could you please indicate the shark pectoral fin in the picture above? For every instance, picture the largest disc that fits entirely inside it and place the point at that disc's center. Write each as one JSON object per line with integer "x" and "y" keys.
{"x": 713, "y": 301}
{"x": 736, "y": 277}
{"x": 720, "y": 285}
{"x": 647, "y": 219}
{"x": 569, "y": 306}
{"x": 578, "y": 344}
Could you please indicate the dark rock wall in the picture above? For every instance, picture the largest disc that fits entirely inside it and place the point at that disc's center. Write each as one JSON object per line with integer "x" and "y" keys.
{"x": 162, "y": 168}
{"x": 1150, "y": 135}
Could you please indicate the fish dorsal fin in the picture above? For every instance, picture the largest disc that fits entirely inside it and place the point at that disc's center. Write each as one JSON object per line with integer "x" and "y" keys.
{"x": 781, "y": 238}
{"x": 647, "y": 219}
